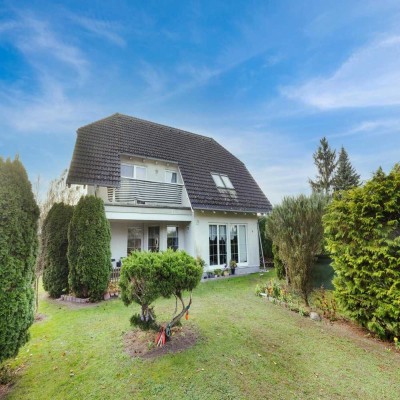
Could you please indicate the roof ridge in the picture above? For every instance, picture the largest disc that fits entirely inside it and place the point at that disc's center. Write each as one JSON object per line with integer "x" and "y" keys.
{"x": 152, "y": 123}
{"x": 99, "y": 120}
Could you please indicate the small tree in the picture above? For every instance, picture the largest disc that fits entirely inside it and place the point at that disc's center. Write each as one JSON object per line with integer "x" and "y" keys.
{"x": 325, "y": 161}
{"x": 362, "y": 227}
{"x": 54, "y": 239}
{"x": 346, "y": 176}
{"x": 139, "y": 282}
{"x": 266, "y": 242}
{"x": 179, "y": 272}
{"x": 89, "y": 253}
{"x": 296, "y": 229}
{"x": 18, "y": 247}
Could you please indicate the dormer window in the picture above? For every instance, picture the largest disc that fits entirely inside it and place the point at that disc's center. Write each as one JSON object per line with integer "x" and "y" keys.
{"x": 171, "y": 177}
{"x": 133, "y": 171}
{"x": 222, "y": 181}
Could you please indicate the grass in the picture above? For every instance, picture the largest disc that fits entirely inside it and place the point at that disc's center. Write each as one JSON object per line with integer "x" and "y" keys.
{"x": 249, "y": 348}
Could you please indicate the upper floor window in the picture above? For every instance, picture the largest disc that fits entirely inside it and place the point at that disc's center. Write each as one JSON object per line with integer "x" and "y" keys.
{"x": 133, "y": 171}
{"x": 222, "y": 181}
{"x": 171, "y": 177}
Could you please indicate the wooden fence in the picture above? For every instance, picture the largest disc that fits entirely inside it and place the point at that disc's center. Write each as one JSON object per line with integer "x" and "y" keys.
{"x": 114, "y": 276}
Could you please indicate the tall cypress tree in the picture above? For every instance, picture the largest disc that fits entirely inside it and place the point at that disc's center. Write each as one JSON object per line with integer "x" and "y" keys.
{"x": 55, "y": 247}
{"x": 89, "y": 253}
{"x": 325, "y": 161}
{"x": 19, "y": 214}
{"x": 346, "y": 176}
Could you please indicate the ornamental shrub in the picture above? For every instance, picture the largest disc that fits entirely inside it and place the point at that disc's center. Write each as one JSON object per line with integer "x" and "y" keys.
{"x": 19, "y": 214}
{"x": 89, "y": 254}
{"x": 139, "y": 281}
{"x": 362, "y": 228}
{"x": 146, "y": 276}
{"x": 55, "y": 247}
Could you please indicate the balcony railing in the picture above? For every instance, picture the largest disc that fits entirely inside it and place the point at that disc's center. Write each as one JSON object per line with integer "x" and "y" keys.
{"x": 136, "y": 191}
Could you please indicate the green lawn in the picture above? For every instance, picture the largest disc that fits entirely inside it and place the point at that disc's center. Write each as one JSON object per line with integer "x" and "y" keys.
{"x": 249, "y": 349}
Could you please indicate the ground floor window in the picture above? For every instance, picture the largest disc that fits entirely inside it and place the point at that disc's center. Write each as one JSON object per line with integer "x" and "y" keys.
{"x": 172, "y": 238}
{"x": 217, "y": 244}
{"x": 154, "y": 238}
{"x": 135, "y": 236}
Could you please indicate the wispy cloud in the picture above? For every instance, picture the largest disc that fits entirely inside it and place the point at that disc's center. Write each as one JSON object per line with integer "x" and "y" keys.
{"x": 102, "y": 29}
{"x": 377, "y": 127}
{"x": 370, "y": 77}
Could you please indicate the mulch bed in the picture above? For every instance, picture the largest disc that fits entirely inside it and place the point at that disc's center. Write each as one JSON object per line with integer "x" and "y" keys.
{"x": 141, "y": 344}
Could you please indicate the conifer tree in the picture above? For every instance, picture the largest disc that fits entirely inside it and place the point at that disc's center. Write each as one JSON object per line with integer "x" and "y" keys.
{"x": 89, "y": 254}
{"x": 346, "y": 176}
{"x": 19, "y": 214}
{"x": 55, "y": 247}
{"x": 325, "y": 161}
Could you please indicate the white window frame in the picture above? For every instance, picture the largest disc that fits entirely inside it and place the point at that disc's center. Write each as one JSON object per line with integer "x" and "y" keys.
{"x": 171, "y": 172}
{"x": 134, "y": 171}
{"x": 218, "y": 225}
{"x": 238, "y": 243}
{"x": 222, "y": 181}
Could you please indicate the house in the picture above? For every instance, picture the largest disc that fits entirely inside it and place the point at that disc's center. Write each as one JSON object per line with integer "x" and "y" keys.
{"x": 164, "y": 187}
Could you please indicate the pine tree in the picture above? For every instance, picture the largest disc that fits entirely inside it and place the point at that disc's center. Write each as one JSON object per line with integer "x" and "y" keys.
{"x": 346, "y": 176}
{"x": 325, "y": 161}
{"x": 19, "y": 214}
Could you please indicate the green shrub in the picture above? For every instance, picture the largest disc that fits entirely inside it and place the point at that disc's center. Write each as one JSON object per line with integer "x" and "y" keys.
{"x": 145, "y": 276}
{"x": 139, "y": 282}
{"x": 55, "y": 248}
{"x": 18, "y": 248}
{"x": 89, "y": 254}
{"x": 278, "y": 264}
{"x": 362, "y": 227}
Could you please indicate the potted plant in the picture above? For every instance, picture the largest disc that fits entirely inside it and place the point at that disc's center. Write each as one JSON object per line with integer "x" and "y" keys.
{"x": 218, "y": 272}
{"x": 233, "y": 265}
{"x": 226, "y": 271}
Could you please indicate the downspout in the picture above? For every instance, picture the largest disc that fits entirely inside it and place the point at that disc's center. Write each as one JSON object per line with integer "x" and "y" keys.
{"x": 259, "y": 238}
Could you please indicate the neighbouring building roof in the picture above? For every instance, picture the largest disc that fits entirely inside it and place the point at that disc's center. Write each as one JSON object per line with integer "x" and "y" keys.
{"x": 99, "y": 146}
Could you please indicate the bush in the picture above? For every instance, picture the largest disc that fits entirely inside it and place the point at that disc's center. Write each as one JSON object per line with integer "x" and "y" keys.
{"x": 296, "y": 229}
{"x": 139, "y": 281}
{"x": 55, "y": 248}
{"x": 18, "y": 248}
{"x": 362, "y": 227}
{"x": 145, "y": 276}
{"x": 89, "y": 254}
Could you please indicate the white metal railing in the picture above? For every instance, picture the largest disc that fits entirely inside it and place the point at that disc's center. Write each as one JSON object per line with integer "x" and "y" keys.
{"x": 138, "y": 191}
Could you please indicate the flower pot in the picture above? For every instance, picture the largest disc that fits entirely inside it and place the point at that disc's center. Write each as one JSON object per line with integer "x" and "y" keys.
{"x": 233, "y": 271}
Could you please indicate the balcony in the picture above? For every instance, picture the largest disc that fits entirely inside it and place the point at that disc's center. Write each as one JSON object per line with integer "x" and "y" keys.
{"x": 139, "y": 192}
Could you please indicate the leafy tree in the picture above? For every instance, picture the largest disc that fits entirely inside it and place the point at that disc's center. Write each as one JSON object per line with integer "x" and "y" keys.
{"x": 296, "y": 229}
{"x": 346, "y": 176}
{"x": 18, "y": 246}
{"x": 279, "y": 266}
{"x": 363, "y": 236}
{"x": 325, "y": 161}
{"x": 89, "y": 253}
{"x": 55, "y": 245}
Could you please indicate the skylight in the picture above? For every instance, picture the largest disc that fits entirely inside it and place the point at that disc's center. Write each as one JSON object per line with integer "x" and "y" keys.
{"x": 222, "y": 181}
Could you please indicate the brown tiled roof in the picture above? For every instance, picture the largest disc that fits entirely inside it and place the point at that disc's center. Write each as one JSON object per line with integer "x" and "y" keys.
{"x": 96, "y": 161}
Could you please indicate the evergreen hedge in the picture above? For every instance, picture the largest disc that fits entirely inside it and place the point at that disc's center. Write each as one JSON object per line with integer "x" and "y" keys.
{"x": 19, "y": 214}
{"x": 362, "y": 227}
{"x": 55, "y": 247}
{"x": 89, "y": 253}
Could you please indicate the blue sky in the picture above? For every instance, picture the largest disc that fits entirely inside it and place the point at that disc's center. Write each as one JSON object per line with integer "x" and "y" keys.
{"x": 266, "y": 79}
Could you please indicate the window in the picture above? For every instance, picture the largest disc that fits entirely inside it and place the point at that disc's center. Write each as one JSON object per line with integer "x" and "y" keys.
{"x": 222, "y": 181}
{"x": 135, "y": 236}
{"x": 172, "y": 237}
{"x": 238, "y": 237}
{"x": 133, "y": 171}
{"x": 171, "y": 177}
{"x": 217, "y": 244}
{"x": 154, "y": 238}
